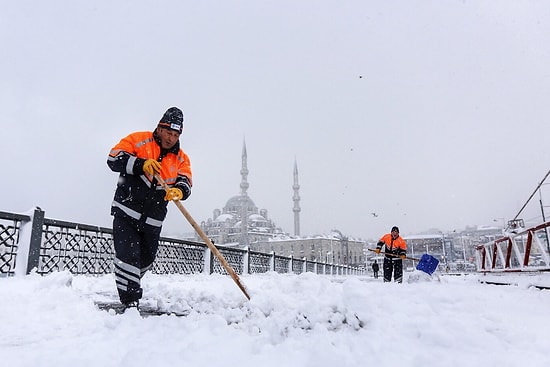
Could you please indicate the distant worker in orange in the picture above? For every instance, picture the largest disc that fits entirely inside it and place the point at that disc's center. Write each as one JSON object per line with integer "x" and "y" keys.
{"x": 395, "y": 253}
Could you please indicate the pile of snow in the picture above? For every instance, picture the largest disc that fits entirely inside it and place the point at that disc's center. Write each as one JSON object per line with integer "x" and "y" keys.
{"x": 291, "y": 320}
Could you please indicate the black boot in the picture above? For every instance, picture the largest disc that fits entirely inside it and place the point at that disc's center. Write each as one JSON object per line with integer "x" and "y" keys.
{"x": 131, "y": 304}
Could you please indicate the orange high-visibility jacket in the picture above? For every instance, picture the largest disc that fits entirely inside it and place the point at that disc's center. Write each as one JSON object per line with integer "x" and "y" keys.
{"x": 136, "y": 196}
{"x": 396, "y": 247}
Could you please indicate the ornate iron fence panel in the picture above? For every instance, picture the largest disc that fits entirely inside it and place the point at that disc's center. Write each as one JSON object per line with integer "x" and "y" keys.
{"x": 310, "y": 267}
{"x": 179, "y": 257}
{"x": 234, "y": 257}
{"x": 10, "y": 225}
{"x": 105, "y": 252}
{"x": 297, "y": 266}
{"x": 259, "y": 262}
{"x": 78, "y": 248}
{"x": 282, "y": 264}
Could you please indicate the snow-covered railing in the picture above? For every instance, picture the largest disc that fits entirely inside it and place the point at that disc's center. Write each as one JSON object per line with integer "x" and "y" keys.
{"x": 10, "y": 230}
{"x": 32, "y": 242}
{"x": 526, "y": 250}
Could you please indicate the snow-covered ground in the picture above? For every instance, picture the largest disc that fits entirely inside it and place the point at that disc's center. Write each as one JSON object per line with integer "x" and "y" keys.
{"x": 291, "y": 320}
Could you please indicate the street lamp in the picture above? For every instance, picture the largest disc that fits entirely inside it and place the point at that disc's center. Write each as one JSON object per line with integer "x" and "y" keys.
{"x": 463, "y": 249}
{"x": 443, "y": 247}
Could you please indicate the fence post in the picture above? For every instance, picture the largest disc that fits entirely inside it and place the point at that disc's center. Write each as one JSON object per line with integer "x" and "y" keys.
{"x": 272, "y": 261}
{"x": 208, "y": 261}
{"x": 35, "y": 240}
{"x": 246, "y": 261}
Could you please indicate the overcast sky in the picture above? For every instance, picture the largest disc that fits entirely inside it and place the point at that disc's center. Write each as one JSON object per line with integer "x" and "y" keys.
{"x": 432, "y": 114}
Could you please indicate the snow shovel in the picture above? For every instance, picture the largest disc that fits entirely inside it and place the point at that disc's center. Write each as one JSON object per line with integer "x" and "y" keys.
{"x": 427, "y": 263}
{"x": 205, "y": 238}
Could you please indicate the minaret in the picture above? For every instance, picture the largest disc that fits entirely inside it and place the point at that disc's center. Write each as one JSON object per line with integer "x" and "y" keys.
{"x": 244, "y": 171}
{"x": 296, "y": 199}
{"x": 244, "y": 187}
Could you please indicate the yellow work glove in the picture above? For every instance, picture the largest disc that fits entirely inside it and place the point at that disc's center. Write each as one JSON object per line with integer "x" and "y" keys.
{"x": 403, "y": 257}
{"x": 151, "y": 167}
{"x": 377, "y": 250}
{"x": 173, "y": 194}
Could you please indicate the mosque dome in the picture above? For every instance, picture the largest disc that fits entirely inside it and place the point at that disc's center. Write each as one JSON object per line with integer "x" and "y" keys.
{"x": 236, "y": 203}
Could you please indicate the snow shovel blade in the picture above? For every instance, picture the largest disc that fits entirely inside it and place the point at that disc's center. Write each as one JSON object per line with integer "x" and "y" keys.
{"x": 427, "y": 264}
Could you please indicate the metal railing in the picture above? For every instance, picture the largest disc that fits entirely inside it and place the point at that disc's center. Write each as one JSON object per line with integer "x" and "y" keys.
{"x": 525, "y": 251}
{"x": 10, "y": 228}
{"x": 32, "y": 242}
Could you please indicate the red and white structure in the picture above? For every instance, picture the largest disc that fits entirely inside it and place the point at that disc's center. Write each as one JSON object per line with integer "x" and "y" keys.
{"x": 524, "y": 250}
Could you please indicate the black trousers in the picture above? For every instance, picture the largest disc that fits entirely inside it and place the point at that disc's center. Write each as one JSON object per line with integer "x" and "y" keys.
{"x": 395, "y": 266}
{"x": 136, "y": 246}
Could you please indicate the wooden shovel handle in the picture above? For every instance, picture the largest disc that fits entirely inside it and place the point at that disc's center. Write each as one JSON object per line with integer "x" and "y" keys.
{"x": 205, "y": 238}
{"x": 388, "y": 254}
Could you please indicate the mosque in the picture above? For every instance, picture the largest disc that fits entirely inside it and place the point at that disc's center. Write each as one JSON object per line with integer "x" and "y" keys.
{"x": 241, "y": 224}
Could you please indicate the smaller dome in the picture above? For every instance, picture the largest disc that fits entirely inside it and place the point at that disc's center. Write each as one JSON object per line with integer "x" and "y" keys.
{"x": 223, "y": 217}
{"x": 257, "y": 218}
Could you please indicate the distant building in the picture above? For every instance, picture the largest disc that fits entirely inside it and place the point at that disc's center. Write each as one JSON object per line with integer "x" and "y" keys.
{"x": 331, "y": 249}
{"x": 240, "y": 223}
{"x": 454, "y": 249}
{"x": 434, "y": 244}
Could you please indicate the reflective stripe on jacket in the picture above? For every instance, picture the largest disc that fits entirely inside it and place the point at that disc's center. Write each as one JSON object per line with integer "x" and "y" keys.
{"x": 135, "y": 195}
